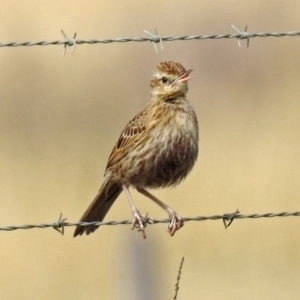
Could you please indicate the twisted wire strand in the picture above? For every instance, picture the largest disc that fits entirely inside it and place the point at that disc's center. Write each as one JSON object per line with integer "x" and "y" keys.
{"x": 62, "y": 223}
{"x": 68, "y": 42}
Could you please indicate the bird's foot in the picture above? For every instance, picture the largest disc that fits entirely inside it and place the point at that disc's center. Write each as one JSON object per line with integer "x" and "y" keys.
{"x": 140, "y": 222}
{"x": 176, "y": 222}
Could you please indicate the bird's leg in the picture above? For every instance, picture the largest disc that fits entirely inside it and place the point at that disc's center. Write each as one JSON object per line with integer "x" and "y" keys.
{"x": 176, "y": 221}
{"x": 139, "y": 221}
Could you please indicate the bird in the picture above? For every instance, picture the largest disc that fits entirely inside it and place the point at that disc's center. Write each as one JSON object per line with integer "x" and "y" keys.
{"x": 156, "y": 149}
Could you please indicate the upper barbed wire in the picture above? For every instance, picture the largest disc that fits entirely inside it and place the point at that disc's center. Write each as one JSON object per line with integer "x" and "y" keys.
{"x": 152, "y": 39}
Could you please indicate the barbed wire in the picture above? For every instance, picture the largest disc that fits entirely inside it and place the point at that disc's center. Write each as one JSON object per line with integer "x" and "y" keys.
{"x": 229, "y": 217}
{"x": 154, "y": 38}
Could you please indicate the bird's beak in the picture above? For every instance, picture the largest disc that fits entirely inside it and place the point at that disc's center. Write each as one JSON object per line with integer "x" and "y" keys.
{"x": 183, "y": 78}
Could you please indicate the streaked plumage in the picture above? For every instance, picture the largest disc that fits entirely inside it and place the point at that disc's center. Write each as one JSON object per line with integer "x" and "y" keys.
{"x": 157, "y": 148}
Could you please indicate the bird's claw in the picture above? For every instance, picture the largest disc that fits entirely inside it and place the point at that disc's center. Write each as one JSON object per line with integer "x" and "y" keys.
{"x": 140, "y": 222}
{"x": 176, "y": 222}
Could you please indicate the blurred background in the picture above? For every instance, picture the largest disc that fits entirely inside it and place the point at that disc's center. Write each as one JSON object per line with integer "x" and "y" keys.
{"x": 61, "y": 115}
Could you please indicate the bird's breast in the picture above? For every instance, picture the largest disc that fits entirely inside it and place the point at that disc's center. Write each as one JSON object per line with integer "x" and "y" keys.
{"x": 171, "y": 151}
{"x": 164, "y": 156}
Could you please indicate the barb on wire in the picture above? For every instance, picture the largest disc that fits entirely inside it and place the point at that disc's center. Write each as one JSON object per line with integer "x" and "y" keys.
{"x": 178, "y": 278}
{"x": 62, "y": 222}
{"x": 155, "y": 39}
{"x": 228, "y": 218}
{"x": 243, "y": 35}
{"x": 59, "y": 225}
{"x": 71, "y": 42}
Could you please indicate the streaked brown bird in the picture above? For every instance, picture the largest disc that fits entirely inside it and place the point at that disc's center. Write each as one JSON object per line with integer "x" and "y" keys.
{"x": 156, "y": 149}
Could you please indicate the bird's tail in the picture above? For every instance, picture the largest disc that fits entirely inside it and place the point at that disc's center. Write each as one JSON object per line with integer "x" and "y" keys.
{"x": 98, "y": 209}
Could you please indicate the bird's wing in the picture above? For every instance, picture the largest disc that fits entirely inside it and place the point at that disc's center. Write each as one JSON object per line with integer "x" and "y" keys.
{"x": 130, "y": 137}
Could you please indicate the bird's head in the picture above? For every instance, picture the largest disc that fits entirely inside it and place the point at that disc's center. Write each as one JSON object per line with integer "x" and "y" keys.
{"x": 170, "y": 80}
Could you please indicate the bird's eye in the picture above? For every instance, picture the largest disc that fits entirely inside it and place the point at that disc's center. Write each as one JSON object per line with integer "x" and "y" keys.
{"x": 164, "y": 79}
